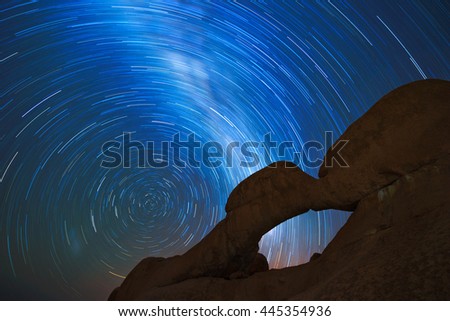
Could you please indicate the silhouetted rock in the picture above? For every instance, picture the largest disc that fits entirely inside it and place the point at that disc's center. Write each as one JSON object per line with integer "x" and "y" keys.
{"x": 259, "y": 264}
{"x": 394, "y": 246}
{"x": 314, "y": 257}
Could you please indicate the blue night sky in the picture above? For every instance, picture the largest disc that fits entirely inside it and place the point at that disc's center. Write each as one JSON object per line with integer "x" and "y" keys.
{"x": 76, "y": 74}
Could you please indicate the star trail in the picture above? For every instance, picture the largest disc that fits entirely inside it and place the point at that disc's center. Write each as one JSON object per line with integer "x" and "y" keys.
{"x": 76, "y": 74}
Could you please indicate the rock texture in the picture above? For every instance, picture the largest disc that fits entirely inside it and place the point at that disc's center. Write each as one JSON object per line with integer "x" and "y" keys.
{"x": 394, "y": 246}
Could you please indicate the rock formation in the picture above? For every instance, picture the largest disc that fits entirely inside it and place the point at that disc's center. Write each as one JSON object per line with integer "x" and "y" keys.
{"x": 394, "y": 246}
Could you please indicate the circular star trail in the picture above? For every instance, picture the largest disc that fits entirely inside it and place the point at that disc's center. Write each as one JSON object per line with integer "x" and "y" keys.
{"x": 76, "y": 74}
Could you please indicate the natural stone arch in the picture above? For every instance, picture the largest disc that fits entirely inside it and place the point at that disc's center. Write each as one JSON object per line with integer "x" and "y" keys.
{"x": 382, "y": 148}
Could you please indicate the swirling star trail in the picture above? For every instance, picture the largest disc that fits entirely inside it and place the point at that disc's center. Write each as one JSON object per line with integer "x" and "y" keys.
{"x": 76, "y": 74}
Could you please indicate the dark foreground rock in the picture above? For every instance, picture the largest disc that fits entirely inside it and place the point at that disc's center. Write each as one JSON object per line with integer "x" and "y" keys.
{"x": 394, "y": 246}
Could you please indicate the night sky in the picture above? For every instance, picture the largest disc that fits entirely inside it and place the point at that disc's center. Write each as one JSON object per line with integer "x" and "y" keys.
{"x": 76, "y": 74}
